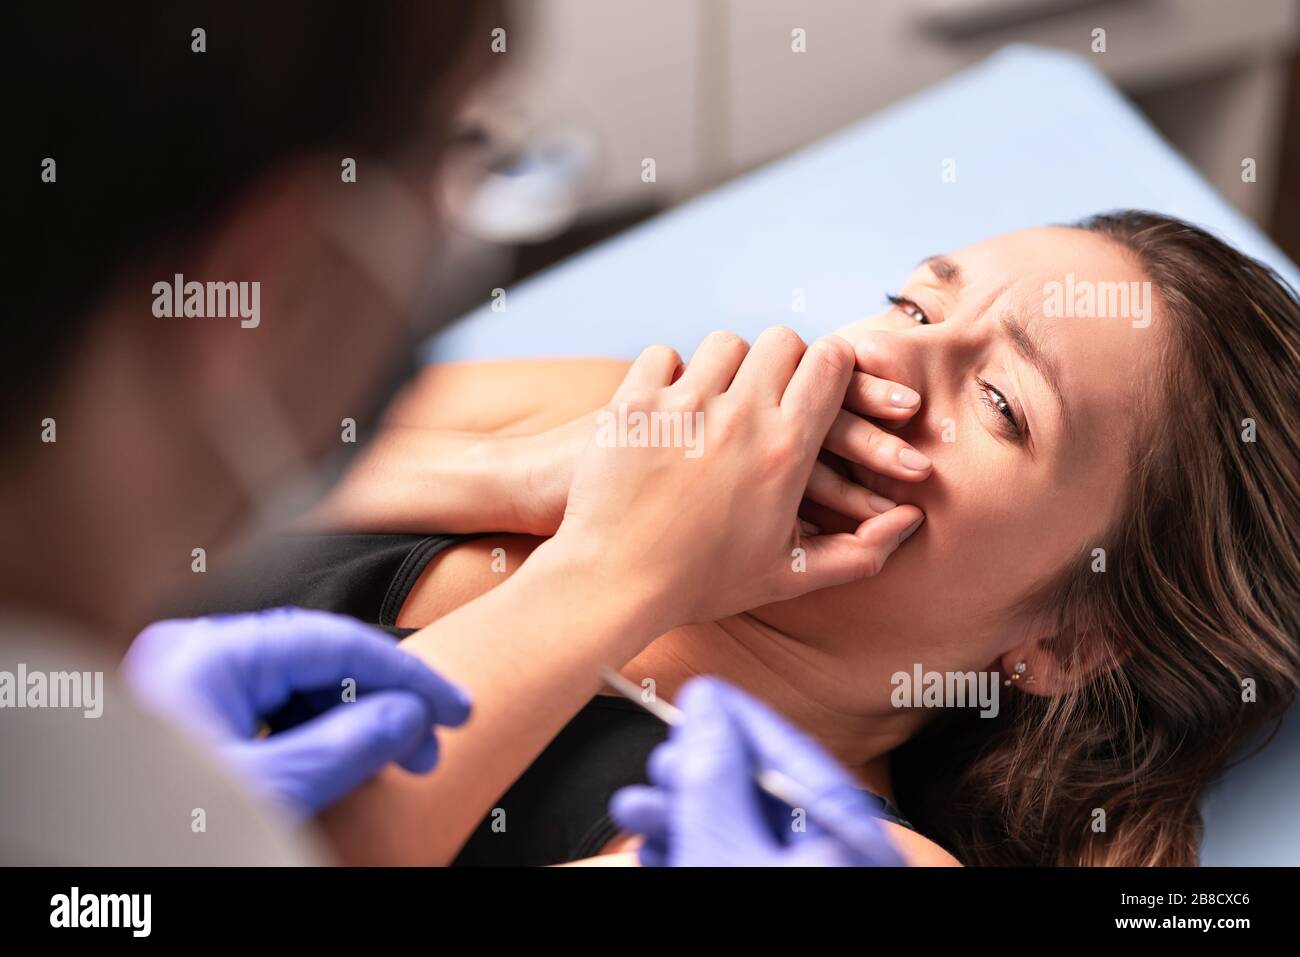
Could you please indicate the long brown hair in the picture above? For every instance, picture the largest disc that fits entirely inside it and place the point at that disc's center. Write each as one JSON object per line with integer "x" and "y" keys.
{"x": 1196, "y": 618}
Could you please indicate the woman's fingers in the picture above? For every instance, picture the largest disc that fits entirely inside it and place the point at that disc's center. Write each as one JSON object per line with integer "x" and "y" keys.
{"x": 658, "y": 508}
{"x": 878, "y": 398}
{"x": 839, "y": 559}
{"x": 654, "y": 368}
{"x": 714, "y": 364}
{"x": 771, "y": 362}
{"x": 816, "y": 390}
{"x": 853, "y": 438}
{"x": 843, "y": 495}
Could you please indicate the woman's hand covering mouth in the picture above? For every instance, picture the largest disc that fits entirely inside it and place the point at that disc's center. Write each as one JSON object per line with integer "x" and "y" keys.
{"x": 862, "y": 459}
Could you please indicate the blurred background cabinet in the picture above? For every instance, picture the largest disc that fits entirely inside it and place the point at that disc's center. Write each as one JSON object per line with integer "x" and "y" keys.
{"x": 711, "y": 88}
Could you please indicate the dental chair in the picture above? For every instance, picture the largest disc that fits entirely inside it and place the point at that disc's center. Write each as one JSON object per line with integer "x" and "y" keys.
{"x": 1035, "y": 137}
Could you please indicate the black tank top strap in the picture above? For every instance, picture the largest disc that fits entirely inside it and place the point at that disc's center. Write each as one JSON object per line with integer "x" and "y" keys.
{"x": 366, "y": 576}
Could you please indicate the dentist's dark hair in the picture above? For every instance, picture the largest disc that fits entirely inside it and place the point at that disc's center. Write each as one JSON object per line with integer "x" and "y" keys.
{"x": 1197, "y": 615}
{"x": 153, "y": 142}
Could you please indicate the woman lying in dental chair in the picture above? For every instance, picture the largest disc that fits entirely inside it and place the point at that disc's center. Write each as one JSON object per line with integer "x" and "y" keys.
{"x": 1111, "y": 508}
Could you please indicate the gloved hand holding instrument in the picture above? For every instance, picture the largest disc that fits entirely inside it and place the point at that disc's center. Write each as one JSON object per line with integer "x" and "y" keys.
{"x": 736, "y": 785}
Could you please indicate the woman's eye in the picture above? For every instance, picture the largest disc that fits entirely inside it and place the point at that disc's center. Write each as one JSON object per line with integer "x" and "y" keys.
{"x": 908, "y": 308}
{"x": 996, "y": 401}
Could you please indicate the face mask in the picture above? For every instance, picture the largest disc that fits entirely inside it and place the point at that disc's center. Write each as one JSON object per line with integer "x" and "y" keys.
{"x": 384, "y": 231}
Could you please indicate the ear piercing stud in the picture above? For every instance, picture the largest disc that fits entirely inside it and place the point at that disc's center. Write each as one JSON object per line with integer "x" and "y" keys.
{"x": 1016, "y": 674}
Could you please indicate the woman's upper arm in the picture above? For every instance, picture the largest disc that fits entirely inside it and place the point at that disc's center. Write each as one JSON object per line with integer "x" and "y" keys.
{"x": 514, "y": 397}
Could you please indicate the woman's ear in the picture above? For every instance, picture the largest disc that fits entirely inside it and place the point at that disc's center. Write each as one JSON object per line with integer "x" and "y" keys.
{"x": 1054, "y": 663}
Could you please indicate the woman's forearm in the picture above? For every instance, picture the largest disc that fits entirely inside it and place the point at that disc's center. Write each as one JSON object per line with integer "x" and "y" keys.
{"x": 428, "y": 480}
{"x": 530, "y": 652}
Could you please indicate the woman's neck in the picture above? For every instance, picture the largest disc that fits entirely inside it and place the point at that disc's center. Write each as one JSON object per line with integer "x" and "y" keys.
{"x": 788, "y": 674}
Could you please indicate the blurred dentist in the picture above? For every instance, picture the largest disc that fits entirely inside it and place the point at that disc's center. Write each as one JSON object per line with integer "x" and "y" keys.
{"x": 138, "y": 441}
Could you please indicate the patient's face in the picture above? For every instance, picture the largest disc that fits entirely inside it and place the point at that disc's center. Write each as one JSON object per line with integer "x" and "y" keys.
{"x": 1029, "y": 457}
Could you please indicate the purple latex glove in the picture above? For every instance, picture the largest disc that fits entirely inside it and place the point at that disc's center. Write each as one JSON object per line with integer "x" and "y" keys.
{"x": 704, "y": 808}
{"x": 221, "y": 677}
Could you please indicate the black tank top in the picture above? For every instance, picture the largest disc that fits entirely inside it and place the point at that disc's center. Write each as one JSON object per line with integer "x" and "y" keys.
{"x": 557, "y": 810}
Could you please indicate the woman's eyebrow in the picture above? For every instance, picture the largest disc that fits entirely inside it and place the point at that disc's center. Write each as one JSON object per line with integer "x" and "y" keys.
{"x": 945, "y": 270}
{"x": 1027, "y": 347}
{"x": 1032, "y": 352}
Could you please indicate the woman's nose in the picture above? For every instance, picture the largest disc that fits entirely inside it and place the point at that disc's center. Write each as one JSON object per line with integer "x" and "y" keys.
{"x": 883, "y": 354}
{"x": 927, "y": 359}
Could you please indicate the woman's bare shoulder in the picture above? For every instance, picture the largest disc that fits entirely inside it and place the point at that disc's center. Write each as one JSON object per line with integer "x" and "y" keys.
{"x": 917, "y": 850}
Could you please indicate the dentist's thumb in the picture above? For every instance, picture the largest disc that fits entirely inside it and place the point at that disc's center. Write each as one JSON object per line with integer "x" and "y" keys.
{"x": 718, "y": 805}
{"x": 315, "y": 764}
